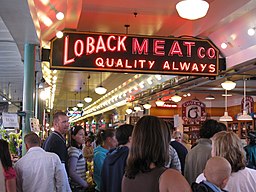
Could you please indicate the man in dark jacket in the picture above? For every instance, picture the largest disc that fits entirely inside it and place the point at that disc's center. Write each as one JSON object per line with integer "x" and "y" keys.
{"x": 114, "y": 164}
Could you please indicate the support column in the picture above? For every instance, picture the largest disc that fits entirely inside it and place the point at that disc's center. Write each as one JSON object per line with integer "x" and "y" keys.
{"x": 28, "y": 89}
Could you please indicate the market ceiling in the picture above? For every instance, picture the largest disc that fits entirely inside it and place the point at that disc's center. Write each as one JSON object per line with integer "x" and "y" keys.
{"x": 226, "y": 21}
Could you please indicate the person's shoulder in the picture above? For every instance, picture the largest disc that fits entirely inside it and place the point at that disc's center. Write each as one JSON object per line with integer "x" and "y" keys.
{"x": 71, "y": 148}
{"x": 171, "y": 173}
{"x": 172, "y": 180}
{"x": 100, "y": 150}
{"x": 50, "y": 154}
{"x": 249, "y": 171}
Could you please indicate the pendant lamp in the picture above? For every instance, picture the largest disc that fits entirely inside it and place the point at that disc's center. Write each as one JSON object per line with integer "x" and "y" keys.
{"x": 192, "y": 9}
{"x": 176, "y": 98}
{"x": 209, "y": 97}
{"x": 137, "y": 108}
{"x": 128, "y": 111}
{"x": 80, "y": 104}
{"x": 226, "y": 117}
{"x": 228, "y": 85}
{"x": 147, "y": 106}
{"x": 159, "y": 103}
{"x": 100, "y": 89}
{"x": 244, "y": 115}
{"x": 88, "y": 99}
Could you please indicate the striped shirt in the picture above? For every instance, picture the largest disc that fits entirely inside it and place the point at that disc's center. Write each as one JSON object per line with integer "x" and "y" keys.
{"x": 80, "y": 166}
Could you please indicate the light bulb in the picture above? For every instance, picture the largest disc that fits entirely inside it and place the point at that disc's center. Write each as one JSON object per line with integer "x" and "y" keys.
{"x": 224, "y": 45}
{"x": 60, "y": 16}
{"x": 59, "y": 34}
{"x": 251, "y": 32}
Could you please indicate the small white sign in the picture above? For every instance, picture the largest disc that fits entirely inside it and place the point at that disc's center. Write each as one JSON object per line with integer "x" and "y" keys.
{"x": 34, "y": 125}
{"x": 10, "y": 120}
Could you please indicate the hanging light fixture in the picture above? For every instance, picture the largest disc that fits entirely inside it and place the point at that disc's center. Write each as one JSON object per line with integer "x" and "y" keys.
{"x": 128, "y": 111}
{"x": 192, "y": 9}
{"x": 176, "y": 98}
{"x": 228, "y": 85}
{"x": 209, "y": 97}
{"x": 147, "y": 106}
{"x": 244, "y": 115}
{"x": 226, "y": 117}
{"x": 88, "y": 99}
{"x": 137, "y": 108}
{"x": 80, "y": 104}
{"x": 75, "y": 107}
{"x": 100, "y": 89}
{"x": 159, "y": 102}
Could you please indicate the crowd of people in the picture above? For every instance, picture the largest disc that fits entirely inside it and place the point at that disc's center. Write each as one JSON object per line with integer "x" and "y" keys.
{"x": 151, "y": 156}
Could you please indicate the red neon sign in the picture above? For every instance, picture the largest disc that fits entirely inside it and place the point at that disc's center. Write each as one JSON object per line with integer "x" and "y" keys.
{"x": 123, "y": 53}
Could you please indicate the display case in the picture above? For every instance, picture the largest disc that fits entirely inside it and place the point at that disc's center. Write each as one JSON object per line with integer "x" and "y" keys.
{"x": 241, "y": 128}
{"x": 192, "y": 130}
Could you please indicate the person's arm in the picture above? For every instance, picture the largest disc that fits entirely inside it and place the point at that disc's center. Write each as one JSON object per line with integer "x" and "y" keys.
{"x": 10, "y": 180}
{"x": 11, "y": 185}
{"x": 60, "y": 176}
{"x": 72, "y": 172}
{"x": 174, "y": 161}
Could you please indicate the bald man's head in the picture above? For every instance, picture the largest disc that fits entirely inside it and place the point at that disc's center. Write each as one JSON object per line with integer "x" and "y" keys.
{"x": 217, "y": 171}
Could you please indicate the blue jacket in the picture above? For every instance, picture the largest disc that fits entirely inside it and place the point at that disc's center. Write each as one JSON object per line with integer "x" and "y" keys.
{"x": 113, "y": 169}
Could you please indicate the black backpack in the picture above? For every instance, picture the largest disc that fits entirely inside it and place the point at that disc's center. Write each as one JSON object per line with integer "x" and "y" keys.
{"x": 200, "y": 187}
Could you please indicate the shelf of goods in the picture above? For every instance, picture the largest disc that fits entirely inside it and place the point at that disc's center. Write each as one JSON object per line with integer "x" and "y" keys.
{"x": 241, "y": 128}
{"x": 192, "y": 130}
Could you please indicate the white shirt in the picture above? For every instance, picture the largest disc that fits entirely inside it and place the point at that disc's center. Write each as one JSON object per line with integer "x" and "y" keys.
{"x": 241, "y": 181}
{"x": 40, "y": 171}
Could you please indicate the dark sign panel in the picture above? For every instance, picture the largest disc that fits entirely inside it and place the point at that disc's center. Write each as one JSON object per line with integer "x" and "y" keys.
{"x": 135, "y": 54}
{"x": 193, "y": 112}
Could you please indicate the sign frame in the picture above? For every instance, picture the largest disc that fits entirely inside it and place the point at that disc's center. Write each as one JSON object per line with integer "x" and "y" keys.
{"x": 134, "y": 52}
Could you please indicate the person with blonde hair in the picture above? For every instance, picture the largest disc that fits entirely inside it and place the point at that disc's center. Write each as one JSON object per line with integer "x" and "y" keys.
{"x": 185, "y": 141}
{"x": 148, "y": 155}
{"x": 229, "y": 145}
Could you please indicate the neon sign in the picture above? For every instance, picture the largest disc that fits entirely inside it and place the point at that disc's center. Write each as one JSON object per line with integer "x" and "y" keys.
{"x": 135, "y": 54}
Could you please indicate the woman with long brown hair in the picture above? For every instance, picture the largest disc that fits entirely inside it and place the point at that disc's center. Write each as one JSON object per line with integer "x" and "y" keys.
{"x": 147, "y": 158}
